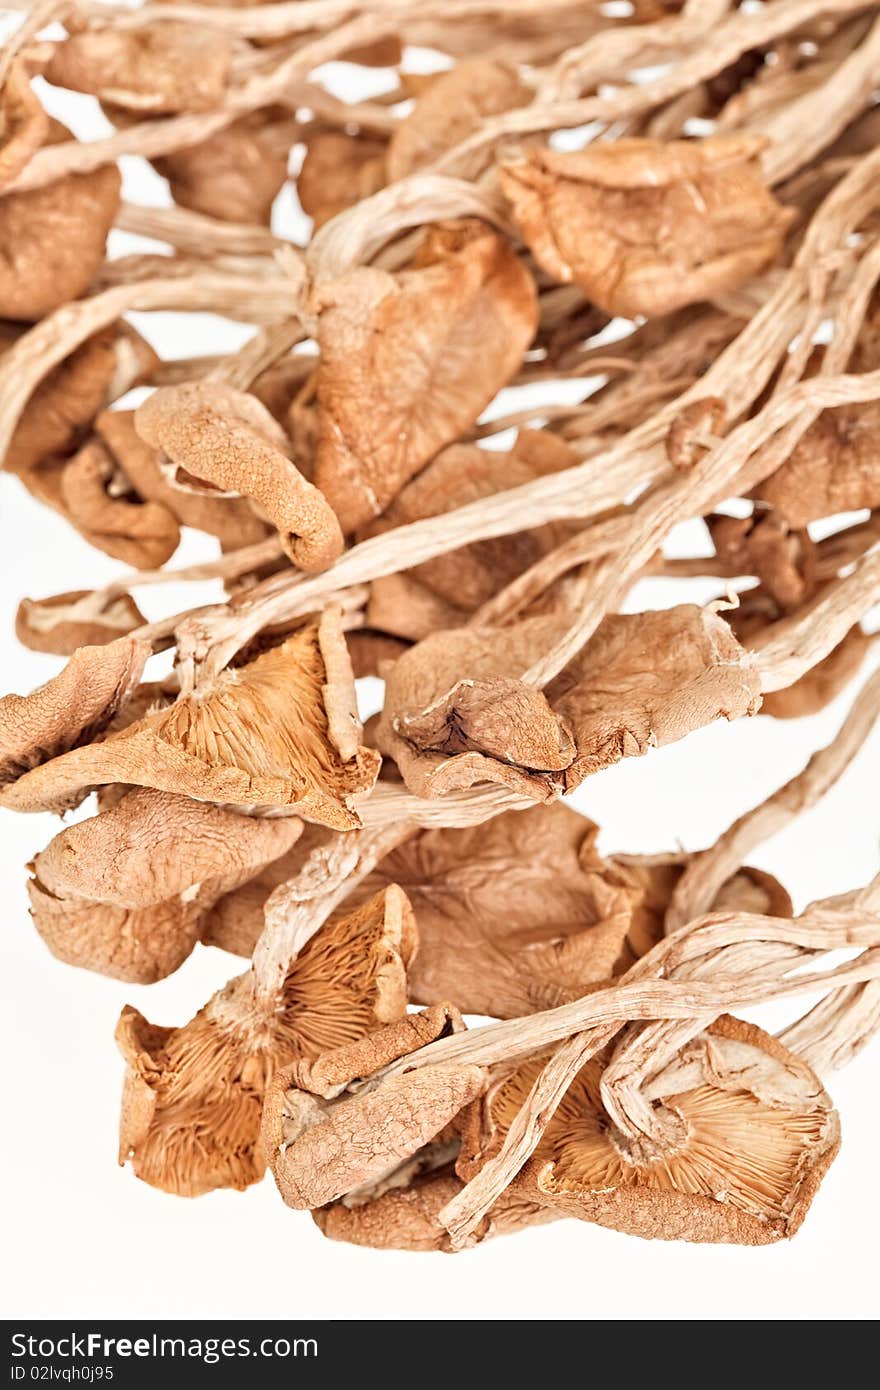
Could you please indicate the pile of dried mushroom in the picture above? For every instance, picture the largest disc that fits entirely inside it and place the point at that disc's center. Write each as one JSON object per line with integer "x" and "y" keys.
{"x": 674, "y": 203}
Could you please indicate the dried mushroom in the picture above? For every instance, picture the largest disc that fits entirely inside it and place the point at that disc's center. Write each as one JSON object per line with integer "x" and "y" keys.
{"x": 62, "y": 623}
{"x": 24, "y": 124}
{"x": 228, "y": 440}
{"x": 73, "y": 707}
{"x": 231, "y": 519}
{"x": 193, "y": 1096}
{"x": 53, "y": 238}
{"x": 466, "y": 578}
{"x": 643, "y": 226}
{"x": 237, "y": 174}
{"x": 141, "y": 534}
{"x": 338, "y": 171}
{"x": 159, "y": 68}
{"x": 450, "y": 109}
{"x": 260, "y": 735}
{"x": 457, "y": 711}
{"x": 760, "y": 1133}
{"x": 324, "y": 1140}
{"x": 409, "y": 361}
{"x": 124, "y": 893}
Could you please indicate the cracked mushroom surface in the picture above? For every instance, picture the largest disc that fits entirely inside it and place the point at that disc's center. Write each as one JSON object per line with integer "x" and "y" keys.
{"x": 124, "y": 893}
{"x": 157, "y": 69}
{"x": 228, "y": 440}
{"x": 760, "y": 1134}
{"x": 647, "y": 226}
{"x": 334, "y": 1128}
{"x": 53, "y": 239}
{"x": 193, "y": 1096}
{"x": 409, "y": 361}
{"x": 457, "y": 711}
{"x": 264, "y": 734}
{"x": 70, "y": 709}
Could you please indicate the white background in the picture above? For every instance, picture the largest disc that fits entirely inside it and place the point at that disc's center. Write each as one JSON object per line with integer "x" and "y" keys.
{"x": 84, "y": 1238}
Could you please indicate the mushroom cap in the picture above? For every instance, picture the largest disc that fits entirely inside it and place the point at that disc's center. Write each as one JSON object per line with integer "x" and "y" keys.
{"x": 71, "y": 708}
{"x": 124, "y": 893}
{"x": 193, "y": 1096}
{"x": 236, "y": 174}
{"x": 159, "y": 68}
{"x": 647, "y": 226}
{"x": 140, "y": 534}
{"x": 52, "y": 239}
{"x": 338, "y": 171}
{"x": 450, "y": 109}
{"x": 760, "y": 1134}
{"x": 408, "y": 362}
{"x": 229, "y": 440}
{"x": 260, "y": 735}
{"x": 63, "y": 622}
{"x": 24, "y": 124}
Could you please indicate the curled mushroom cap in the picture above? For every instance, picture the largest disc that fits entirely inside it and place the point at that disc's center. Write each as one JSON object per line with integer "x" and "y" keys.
{"x": 73, "y": 707}
{"x": 52, "y": 239}
{"x": 457, "y": 711}
{"x": 262, "y": 734}
{"x": 644, "y": 226}
{"x": 63, "y": 622}
{"x": 338, "y": 171}
{"x": 450, "y": 109}
{"x": 325, "y": 1139}
{"x": 193, "y": 1096}
{"x": 141, "y": 534}
{"x": 158, "y": 68}
{"x": 124, "y": 893}
{"x": 760, "y": 1133}
{"x": 408, "y": 362}
{"x": 61, "y": 410}
{"x": 235, "y": 175}
{"x": 231, "y": 519}
{"x": 465, "y": 578}
{"x": 834, "y": 468}
{"x": 24, "y": 124}
{"x": 229, "y": 440}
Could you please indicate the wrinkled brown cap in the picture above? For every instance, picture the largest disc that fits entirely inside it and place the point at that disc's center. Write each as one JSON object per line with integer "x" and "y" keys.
{"x": 236, "y": 920}
{"x": 259, "y": 735}
{"x": 229, "y": 440}
{"x": 158, "y": 68}
{"x": 834, "y": 468}
{"x": 193, "y": 1096}
{"x": 761, "y": 1133}
{"x": 231, "y": 519}
{"x": 60, "y": 412}
{"x": 236, "y": 174}
{"x": 523, "y": 913}
{"x": 52, "y": 239}
{"x": 63, "y": 622}
{"x": 73, "y": 707}
{"x": 24, "y": 124}
{"x": 322, "y": 1149}
{"x": 124, "y": 892}
{"x": 466, "y": 578}
{"x": 643, "y": 226}
{"x": 450, "y": 109}
{"x": 408, "y": 362}
{"x": 338, "y": 171}
{"x": 406, "y": 1217}
{"x": 456, "y": 710}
